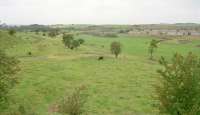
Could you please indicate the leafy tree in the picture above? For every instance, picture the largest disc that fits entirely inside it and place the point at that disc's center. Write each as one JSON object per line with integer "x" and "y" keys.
{"x": 8, "y": 68}
{"x": 115, "y": 48}
{"x": 67, "y": 40}
{"x": 179, "y": 88}
{"x": 152, "y": 46}
{"x": 12, "y": 32}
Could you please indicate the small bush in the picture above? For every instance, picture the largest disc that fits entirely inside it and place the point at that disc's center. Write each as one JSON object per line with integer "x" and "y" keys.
{"x": 8, "y": 68}
{"x": 29, "y": 53}
{"x": 81, "y": 41}
{"x": 73, "y": 104}
{"x": 21, "y": 110}
{"x": 12, "y": 32}
{"x": 152, "y": 46}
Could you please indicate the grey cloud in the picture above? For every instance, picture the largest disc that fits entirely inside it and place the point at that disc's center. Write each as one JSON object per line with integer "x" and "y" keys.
{"x": 99, "y": 11}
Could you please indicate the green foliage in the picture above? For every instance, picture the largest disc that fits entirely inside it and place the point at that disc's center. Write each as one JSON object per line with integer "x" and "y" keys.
{"x": 152, "y": 46}
{"x": 44, "y": 34}
{"x": 8, "y": 68}
{"x": 115, "y": 48}
{"x": 21, "y": 109}
{"x": 180, "y": 85}
{"x": 12, "y": 32}
{"x": 53, "y": 33}
{"x": 75, "y": 44}
{"x": 73, "y": 104}
{"x": 70, "y": 42}
{"x": 67, "y": 40}
{"x": 81, "y": 41}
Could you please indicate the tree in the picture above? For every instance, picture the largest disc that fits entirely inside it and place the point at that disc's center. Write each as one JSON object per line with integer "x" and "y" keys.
{"x": 115, "y": 48}
{"x": 152, "y": 46}
{"x": 8, "y": 68}
{"x": 12, "y": 32}
{"x": 67, "y": 40}
{"x": 179, "y": 87}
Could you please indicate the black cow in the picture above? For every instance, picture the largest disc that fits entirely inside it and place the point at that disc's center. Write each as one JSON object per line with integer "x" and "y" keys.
{"x": 100, "y": 58}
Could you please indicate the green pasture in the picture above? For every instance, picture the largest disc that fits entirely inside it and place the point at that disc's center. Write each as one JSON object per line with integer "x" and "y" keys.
{"x": 123, "y": 86}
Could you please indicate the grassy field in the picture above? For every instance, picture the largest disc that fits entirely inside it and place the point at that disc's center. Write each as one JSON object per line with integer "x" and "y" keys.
{"x": 123, "y": 86}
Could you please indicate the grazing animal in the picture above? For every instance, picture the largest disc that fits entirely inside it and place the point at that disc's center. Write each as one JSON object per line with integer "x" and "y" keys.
{"x": 100, "y": 58}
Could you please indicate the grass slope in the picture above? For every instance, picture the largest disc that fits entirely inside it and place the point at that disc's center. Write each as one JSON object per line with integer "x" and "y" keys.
{"x": 121, "y": 86}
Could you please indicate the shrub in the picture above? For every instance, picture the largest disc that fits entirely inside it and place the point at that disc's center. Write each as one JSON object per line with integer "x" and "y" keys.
{"x": 81, "y": 41}
{"x": 12, "y": 32}
{"x": 115, "y": 48}
{"x": 73, "y": 104}
{"x": 178, "y": 92}
{"x": 8, "y": 68}
{"x": 29, "y": 53}
{"x": 21, "y": 109}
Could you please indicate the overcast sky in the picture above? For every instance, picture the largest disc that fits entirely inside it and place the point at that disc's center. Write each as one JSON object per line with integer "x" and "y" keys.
{"x": 99, "y": 11}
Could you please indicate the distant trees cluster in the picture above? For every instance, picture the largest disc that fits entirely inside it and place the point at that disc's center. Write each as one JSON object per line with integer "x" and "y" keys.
{"x": 102, "y": 34}
{"x": 70, "y": 42}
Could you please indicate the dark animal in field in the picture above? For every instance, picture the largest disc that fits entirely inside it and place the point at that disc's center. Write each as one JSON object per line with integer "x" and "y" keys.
{"x": 29, "y": 53}
{"x": 100, "y": 58}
